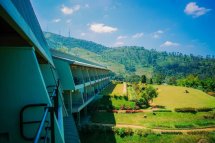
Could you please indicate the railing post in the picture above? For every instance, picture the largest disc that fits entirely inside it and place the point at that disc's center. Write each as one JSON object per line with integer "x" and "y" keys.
{"x": 56, "y": 99}
{"x": 52, "y": 124}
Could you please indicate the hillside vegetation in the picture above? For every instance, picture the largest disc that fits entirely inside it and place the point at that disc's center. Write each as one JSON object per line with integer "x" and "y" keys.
{"x": 135, "y": 61}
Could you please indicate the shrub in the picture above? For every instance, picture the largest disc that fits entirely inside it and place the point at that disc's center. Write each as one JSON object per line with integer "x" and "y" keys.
{"x": 143, "y": 132}
{"x": 184, "y": 126}
{"x": 172, "y": 133}
{"x": 129, "y": 132}
{"x": 158, "y": 106}
{"x": 163, "y": 110}
{"x": 116, "y": 108}
{"x": 120, "y": 132}
{"x": 205, "y": 123}
{"x": 198, "y": 133}
{"x": 163, "y": 126}
{"x": 136, "y": 107}
{"x": 126, "y": 98}
{"x": 122, "y": 107}
{"x": 139, "y": 132}
{"x": 204, "y": 109}
{"x": 186, "y": 109}
{"x": 209, "y": 116}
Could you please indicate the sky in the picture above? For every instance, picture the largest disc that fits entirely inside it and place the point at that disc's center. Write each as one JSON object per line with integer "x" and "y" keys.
{"x": 184, "y": 26}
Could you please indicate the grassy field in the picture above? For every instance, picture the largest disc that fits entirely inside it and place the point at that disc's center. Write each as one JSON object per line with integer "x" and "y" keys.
{"x": 175, "y": 97}
{"x": 169, "y": 96}
{"x": 114, "y": 89}
{"x": 98, "y": 137}
{"x": 106, "y": 102}
{"x": 160, "y": 120}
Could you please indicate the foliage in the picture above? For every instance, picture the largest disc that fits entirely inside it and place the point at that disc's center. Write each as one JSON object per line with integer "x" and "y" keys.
{"x": 148, "y": 94}
{"x": 194, "y": 81}
{"x": 186, "y": 109}
{"x": 143, "y": 79}
{"x": 194, "y": 110}
{"x": 184, "y": 126}
{"x": 204, "y": 109}
{"x": 162, "y": 110}
{"x": 126, "y": 61}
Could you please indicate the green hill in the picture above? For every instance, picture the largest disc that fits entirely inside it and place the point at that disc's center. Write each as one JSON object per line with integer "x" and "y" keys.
{"x": 56, "y": 41}
{"x": 130, "y": 60}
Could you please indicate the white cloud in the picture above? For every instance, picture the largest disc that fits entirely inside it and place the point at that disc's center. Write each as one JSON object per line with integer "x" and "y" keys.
{"x": 119, "y": 43}
{"x": 157, "y": 34}
{"x": 102, "y": 28}
{"x": 193, "y": 9}
{"x": 138, "y": 35}
{"x": 160, "y": 32}
{"x": 169, "y": 44}
{"x": 56, "y": 20}
{"x": 70, "y": 10}
{"x": 121, "y": 37}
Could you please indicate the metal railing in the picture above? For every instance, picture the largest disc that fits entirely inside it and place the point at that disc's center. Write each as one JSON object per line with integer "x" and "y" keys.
{"x": 48, "y": 125}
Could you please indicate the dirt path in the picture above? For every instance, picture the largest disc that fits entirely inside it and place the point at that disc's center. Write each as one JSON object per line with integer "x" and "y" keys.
{"x": 156, "y": 129}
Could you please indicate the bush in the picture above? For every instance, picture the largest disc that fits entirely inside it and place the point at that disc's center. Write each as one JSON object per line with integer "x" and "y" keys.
{"x": 205, "y": 123}
{"x": 143, "y": 132}
{"x": 158, "y": 106}
{"x": 209, "y": 116}
{"x": 198, "y": 133}
{"x": 172, "y": 133}
{"x": 120, "y": 132}
{"x": 163, "y": 110}
{"x": 129, "y": 132}
{"x": 186, "y": 109}
{"x": 126, "y": 98}
{"x": 122, "y": 107}
{"x": 184, "y": 126}
{"x": 139, "y": 132}
{"x": 204, "y": 109}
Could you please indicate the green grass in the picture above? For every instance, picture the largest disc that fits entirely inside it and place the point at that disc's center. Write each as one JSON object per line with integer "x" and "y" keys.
{"x": 99, "y": 137}
{"x": 161, "y": 120}
{"x": 175, "y": 97}
{"x": 107, "y": 102}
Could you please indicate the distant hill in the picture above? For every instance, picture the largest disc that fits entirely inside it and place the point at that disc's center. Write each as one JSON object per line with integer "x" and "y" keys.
{"x": 56, "y": 41}
{"x": 130, "y": 60}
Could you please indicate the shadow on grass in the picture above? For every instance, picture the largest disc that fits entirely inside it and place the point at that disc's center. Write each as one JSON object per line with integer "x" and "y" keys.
{"x": 108, "y": 90}
{"x": 96, "y": 132}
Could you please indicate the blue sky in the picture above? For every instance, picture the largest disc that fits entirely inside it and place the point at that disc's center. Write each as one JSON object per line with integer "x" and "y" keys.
{"x": 171, "y": 25}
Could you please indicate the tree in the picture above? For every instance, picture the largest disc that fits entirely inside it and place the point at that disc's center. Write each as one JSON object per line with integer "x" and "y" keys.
{"x": 148, "y": 94}
{"x": 143, "y": 79}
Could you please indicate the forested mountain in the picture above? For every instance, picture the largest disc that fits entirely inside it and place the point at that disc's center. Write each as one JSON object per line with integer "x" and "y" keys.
{"x": 56, "y": 41}
{"x": 135, "y": 60}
